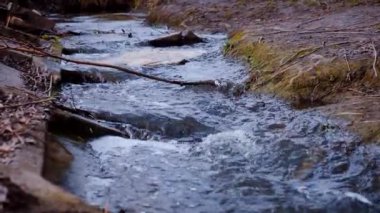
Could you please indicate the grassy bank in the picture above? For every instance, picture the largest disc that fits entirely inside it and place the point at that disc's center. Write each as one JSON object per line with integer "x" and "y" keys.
{"x": 302, "y": 75}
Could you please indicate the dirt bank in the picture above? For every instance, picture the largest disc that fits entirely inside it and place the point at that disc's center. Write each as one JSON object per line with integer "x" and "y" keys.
{"x": 311, "y": 53}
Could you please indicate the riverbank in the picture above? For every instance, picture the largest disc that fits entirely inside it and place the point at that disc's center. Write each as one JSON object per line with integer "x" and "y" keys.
{"x": 319, "y": 55}
{"x": 29, "y": 153}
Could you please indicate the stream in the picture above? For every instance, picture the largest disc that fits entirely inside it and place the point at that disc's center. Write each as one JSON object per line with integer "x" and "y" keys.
{"x": 201, "y": 149}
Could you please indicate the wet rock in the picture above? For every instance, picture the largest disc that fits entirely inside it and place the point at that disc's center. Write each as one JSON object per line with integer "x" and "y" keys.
{"x": 72, "y": 51}
{"x": 78, "y": 77}
{"x": 179, "y": 39}
{"x": 10, "y": 76}
{"x": 257, "y": 106}
{"x": 183, "y": 62}
{"x": 13, "y": 198}
{"x": 70, "y": 124}
{"x": 276, "y": 126}
{"x": 95, "y": 76}
{"x": 57, "y": 160}
{"x": 31, "y": 21}
{"x": 168, "y": 127}
{"x": 25, "y": 191}
{"x": 340, "y": 168}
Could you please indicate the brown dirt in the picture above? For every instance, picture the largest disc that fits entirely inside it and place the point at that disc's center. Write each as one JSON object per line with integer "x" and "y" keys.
{"x": 309, "y": 52}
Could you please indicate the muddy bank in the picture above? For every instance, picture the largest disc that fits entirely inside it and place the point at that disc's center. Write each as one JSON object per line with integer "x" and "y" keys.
{"x": 311, "y": 54}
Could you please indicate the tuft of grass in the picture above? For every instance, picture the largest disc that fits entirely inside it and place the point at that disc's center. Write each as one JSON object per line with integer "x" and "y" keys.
{"x": 301, "y": 76}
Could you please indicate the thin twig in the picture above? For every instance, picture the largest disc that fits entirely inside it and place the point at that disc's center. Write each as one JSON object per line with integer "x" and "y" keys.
{"x": 375, "y": 59}
{"x": 298, "y": 55}
{"x": 309, "y": 21}
{"x": 50, "y": 85}
{"x": 28, "y": 103}
{"x": 357, "y": 91}
{"x": 345, "y": 57}
{"x": 348, "y": 65}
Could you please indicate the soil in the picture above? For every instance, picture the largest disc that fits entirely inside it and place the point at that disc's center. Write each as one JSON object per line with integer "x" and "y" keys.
{"x": 312, "y": 53}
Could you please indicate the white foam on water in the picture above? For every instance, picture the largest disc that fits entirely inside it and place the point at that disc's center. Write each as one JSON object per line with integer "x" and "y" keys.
{"x": 111, "y": 146}
{"x": 238, "y": 140}
{"x": 358, "y": 197}
{"x": 151, "y": 57}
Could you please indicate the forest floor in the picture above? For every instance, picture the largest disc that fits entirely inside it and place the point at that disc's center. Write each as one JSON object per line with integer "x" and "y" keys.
{"x": 312, "y": 54}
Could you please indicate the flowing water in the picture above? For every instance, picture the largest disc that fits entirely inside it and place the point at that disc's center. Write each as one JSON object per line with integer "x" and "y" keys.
{"x": 200, "y": 149}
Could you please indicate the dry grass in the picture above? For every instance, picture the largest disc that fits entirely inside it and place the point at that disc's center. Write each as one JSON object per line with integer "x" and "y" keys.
{"x": 303, "y": 76}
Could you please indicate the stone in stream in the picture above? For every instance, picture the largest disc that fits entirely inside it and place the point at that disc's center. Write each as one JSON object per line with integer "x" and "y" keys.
{"x": 72, "y": 51}
{"x": 31, "y": 21}
{"x": 179, "y": 39}
{"x": 22, "y": 190}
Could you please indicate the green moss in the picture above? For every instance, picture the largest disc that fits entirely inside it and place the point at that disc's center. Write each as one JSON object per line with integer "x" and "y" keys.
{"x": 56, "y": 45}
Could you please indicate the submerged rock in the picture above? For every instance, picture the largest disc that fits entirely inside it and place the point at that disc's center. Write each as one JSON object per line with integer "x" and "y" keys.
{"x": 179, "y": 39}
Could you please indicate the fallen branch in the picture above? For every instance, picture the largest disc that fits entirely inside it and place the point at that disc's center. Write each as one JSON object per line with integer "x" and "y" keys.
{"x": 27, "y": 103}
{"x": 375, "y": 59}
{"x": 42, "y": 53}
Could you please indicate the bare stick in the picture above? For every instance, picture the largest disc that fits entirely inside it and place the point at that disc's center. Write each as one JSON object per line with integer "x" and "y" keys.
{"x": 348, "y": 65}
{"x": 9, "y": 8}
{"x": 50, "y": 85}
{"x": 27, "y": 103}
{"x": 375, "y": 59}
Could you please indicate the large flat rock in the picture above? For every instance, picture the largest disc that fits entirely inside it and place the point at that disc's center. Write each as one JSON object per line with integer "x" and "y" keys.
{"x": 10, "y": 77}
